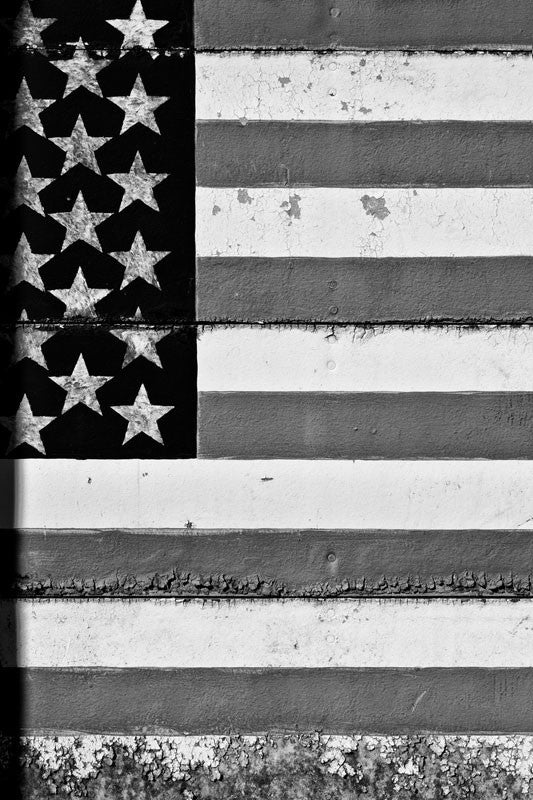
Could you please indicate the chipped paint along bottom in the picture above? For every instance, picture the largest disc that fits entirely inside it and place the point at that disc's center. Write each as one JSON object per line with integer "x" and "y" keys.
{"x": 296, "y": 766}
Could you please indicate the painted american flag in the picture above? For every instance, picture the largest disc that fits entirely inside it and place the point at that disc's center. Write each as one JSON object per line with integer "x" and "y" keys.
{"x": 267, "y": 388}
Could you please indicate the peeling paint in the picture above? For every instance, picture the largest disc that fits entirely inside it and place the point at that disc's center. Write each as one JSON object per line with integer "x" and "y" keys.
{"x": 176, "y": 583}
{"x": 274, "y": 766}
{"x": 244, "y": 197}
{"x": 374, "y": 206}
{"x": 292, "y": 206}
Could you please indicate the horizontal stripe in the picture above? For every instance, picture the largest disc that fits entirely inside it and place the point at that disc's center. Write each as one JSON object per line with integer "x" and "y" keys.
{"x": 314, "y": 24}
{"x": 364, "y": 290}
{"x": 272, "y": 494}
{"x": 359, "y": 425}
{"x": 270, "y": 562}
{"x": 371, "y": 222}
{"x": 168, "y": 633}
{"x": 353, "y": 360}
{"x": 459, "y": 154}
{"x": 337, "y": 701}
{"x": 368, "y": 87}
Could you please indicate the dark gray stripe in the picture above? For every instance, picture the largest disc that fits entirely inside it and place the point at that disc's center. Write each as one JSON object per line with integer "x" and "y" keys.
{"x": 272, "y": 563}
{"x": 359, "y": 290}
{"x": 318, "y": 25}
{"x": 454, "y": 154}
{"x": 203, "y": 701}
{"x": 365, "y": 425}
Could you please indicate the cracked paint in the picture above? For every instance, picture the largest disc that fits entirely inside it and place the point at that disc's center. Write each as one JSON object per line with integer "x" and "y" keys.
{"x": 275, "y": 766}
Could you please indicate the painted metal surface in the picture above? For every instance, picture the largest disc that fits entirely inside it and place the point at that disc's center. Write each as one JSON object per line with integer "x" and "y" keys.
{"x": 341, "y": 186}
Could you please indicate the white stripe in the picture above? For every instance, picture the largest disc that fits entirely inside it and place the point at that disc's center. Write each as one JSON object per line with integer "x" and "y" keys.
{"x": 282, "y": 633}
{"x": 364, "y": 86}
{"x": 391, "y": 359}
{"x": 274, "y": 494}
{"x": 369, "y": 222}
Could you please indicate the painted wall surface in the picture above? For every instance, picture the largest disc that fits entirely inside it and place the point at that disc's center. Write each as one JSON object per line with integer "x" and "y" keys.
{"x": 266, "y": 414}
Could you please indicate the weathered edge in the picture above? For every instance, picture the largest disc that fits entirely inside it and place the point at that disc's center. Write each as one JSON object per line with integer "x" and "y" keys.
{"x": 187, "y": 562}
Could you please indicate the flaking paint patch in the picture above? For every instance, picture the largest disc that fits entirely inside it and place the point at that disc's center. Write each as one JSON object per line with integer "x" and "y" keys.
{"x": 275, "y": 766}
{"x": 244, "y": 197}
{"x": 292, "y": 206}
{"x": 375, "y": 206}
{"x": 175, "y": 583}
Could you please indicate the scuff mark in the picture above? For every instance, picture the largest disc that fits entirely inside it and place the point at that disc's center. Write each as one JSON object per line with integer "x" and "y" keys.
{"x": 375, "y": 206}
{"x": 418, "y": 700}
{"x": 284, "y": 80}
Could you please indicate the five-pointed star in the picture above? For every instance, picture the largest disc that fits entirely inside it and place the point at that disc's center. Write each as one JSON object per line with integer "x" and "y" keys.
{"x": 142, "y": 417}
{"x": 25, "y": 109}
{"x": 24, "y": 265}
{"x": 80, "y": 299}
{"x": 25, "y": 427}
{"x": 140, "y": 343}
{"x": 79, "y": 147}
{"x": 139, "y": 262}
{"x": 138, "y": 184}
{"x": 81, "y": 69}
{"x": 26, "y": 188}
{"x": 138, "y": 30}
{"x": 81, "y": 387}
{"x": 28, "y": 342}
{"x": 80, "y": 223}
{"x": 27, "y": 29}
{"x": 138, "y": 107}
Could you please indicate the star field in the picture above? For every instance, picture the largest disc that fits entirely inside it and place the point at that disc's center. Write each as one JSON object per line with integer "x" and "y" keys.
{"x": 97, "y": 237}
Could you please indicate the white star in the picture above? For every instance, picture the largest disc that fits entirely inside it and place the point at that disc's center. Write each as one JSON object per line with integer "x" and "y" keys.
{"x": 139, "y": 262}
{"x": 142, "y": 417}
{"x": 139, "y": 107}
{"x": 25, "y": 110}
{"x": 140, "y": 343}
{"x": 25, "y": 427}
{"x": 138, "y": 184}
{"x": 81, "y": 387}
{"x": 26, "y": 188}
{"x": 25, "y": 265}
{"x": 80, "y": 299}
{"x": 81, "y": 69}
{"x": 28, "y": 342}
{"x": 79, "y": 147}
{"x": 80, "y": 223}
{"x": 27, "y": 29}
{"x": 138, "y": 30}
